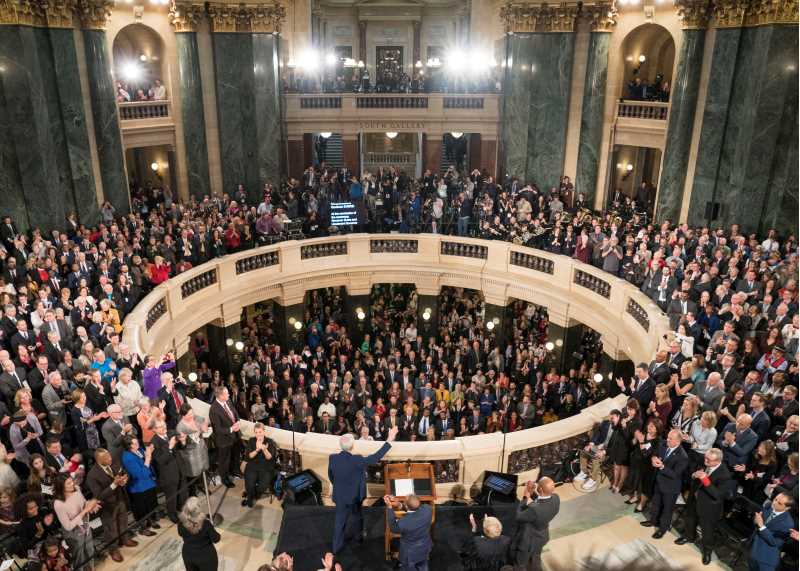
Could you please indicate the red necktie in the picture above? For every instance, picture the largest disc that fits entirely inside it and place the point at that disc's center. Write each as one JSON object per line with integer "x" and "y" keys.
{"x": 176, "y": 397}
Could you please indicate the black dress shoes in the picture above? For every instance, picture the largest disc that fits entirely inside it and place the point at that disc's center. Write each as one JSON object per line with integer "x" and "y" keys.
{"x": 228, "y": 483}
{"x": 681, "y": 541}
{"x": 658, "y": 534}
{"x": 707, "y": 558}
{"x": 646, "y": 523}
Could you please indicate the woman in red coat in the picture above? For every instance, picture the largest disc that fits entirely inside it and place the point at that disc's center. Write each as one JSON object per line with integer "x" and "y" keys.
{"x": 159, "y": 271}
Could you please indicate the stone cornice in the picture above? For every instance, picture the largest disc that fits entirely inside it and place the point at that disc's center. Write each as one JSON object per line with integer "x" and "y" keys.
{"x": 529, "y": 17}
{"x": 259, "y": 18}
{"x": 94, "y": 14}
{"x": 766, "y": 12}
{"x": 602, "y": 17}
{"x": 694, "y": 14}
{"x": 729, "y": 13}
{"x": 185, "y": 16}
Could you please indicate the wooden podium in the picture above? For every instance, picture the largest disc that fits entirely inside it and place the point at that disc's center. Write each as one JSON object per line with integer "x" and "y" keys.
{"x": 424, "y": 488}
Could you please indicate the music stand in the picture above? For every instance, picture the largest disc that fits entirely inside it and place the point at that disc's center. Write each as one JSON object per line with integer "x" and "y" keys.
{"x": 423, "y": 482}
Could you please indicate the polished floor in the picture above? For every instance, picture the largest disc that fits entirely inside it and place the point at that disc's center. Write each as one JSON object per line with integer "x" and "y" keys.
{"x": 588, "y": 525}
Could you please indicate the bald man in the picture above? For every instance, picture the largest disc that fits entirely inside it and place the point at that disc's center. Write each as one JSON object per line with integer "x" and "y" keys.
{"x": 738, "y": 440}
{"x": 670, "y": 463}
{"x": 533, "y": 524}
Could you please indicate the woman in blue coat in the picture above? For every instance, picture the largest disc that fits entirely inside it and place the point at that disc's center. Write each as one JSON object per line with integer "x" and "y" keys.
{"x": 141, "y": 483}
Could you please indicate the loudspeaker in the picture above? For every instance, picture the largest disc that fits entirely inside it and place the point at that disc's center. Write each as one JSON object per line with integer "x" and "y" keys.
{"x": 302, "y": 489}
{"x": 497, "y": 488}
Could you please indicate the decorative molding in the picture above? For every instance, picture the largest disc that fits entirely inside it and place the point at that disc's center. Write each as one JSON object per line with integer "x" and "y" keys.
{"x": 255, "y": 18}
{"x": 156, "y": 312}
{"x": 186, "y": 16}
{"x": 199, "y": 282}
{"x": 639, "y": 313}
{"x": 39, "y": 13}
{"x": 767, "y": 12}
{"x": 94, "y": 14}
{"x": 522, "y": 18}
{"x": 602, "y": 17}
{"x": 694, "y": 14}
{"x": 592, "y": 283}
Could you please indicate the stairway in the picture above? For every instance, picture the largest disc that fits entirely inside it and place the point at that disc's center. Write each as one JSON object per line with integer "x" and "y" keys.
{"x": 446, "y": 162}
{"x": 334, "y": 155}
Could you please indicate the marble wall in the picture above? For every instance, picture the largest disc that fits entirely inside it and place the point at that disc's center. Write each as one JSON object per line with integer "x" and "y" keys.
{"x": 47, "y": 168}
{"x": 747, "y": 156}
{"x": 248, "y": 109}
{"x": 536, "y": 105}
{"x": 194, "y": 125}
{"x": 106, "y": 120}
{"x": 591, "y": 130}
{"x": 681, "y": 121}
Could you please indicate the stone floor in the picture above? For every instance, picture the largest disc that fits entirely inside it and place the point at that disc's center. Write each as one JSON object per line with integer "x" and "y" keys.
{"x": 588, "y": 525}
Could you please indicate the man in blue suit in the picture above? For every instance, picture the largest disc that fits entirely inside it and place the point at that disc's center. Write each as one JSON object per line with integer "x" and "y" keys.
{"x": 772, "y": 530}
{"x": 670, "y": 464}
{"x": 415, "y": 532}
{"x": 349, "y": 481}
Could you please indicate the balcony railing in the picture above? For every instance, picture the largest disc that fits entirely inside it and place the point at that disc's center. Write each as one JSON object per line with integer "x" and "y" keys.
{"x": 392, "y": 102}
{"x": 390, "y": 158}
{"x": 144, "y": 110}
{"x": 656, "y": 110}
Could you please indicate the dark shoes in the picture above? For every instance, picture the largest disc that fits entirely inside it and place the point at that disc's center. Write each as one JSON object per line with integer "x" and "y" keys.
{"x": 646, "y": 523}
{"x": 116, "y": 555}
{"x": 682, "y": 541}
{"x": 127, "y": 542}
{"x": 247, "y": 502}
{"x": 707, "y": 558}
{"x": 147, "y": 532}
{"x": 658, "y": 534}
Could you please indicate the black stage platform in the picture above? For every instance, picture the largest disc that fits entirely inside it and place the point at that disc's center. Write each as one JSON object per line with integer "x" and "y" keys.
{"x": 307, "y": 532}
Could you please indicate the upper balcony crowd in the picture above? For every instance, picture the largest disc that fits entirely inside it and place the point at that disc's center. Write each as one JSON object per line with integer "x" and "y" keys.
{"x": 70, "y": 388}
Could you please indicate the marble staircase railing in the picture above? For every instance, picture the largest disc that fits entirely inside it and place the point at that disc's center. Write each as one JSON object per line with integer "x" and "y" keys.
{"x": 144, "y": 110}
{"x": 656, "y": 110}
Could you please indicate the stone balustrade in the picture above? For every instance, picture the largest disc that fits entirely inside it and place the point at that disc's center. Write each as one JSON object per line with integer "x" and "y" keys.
{"x": 219, "y": 289}
{"x": 656, "y": 110}
{"x": 144, "y": 110}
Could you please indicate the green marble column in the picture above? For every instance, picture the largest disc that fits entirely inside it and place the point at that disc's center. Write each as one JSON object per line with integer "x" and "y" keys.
{"x": 764, "y": 96}
{"x": 715, "y": 119}
{"x": 591, "y": 134}
{"x": 192, "y": 114}
{"x": 516, "y": 105}
{"x": 551, "y": 76}
{"x": 12, "y": 197}
{"x": 108, "y": 136}
{"x": 73, "y": 120}
{"x": 233, "y": 63}
{"x": 681, "y": 122}
{"x": 267, "y": 108}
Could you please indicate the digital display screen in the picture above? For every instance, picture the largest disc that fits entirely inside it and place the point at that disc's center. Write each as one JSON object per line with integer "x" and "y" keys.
{"x": 299, "y": 482}
{"x": 343, "y": 214}
{"x": 500, "y": 485}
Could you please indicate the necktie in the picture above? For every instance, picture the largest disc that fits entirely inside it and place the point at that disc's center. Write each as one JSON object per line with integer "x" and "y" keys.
{"x": 423, "y": 426}
{"x": 669, "y": 451}
{"x": 176, "y": 397}
{"x": 228, "y": 411}
{"x": 770, "y": 517}
{"x": 783, "y": 437}
{"x": 17, "y": 378}
{"x": 60, "y": 460}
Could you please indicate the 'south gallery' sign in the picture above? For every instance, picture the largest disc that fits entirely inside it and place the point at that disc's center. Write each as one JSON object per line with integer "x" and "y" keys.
{"x": 391, "y": 125}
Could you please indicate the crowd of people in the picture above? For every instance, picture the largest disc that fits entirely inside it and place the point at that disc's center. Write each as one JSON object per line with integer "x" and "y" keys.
{"x": 360, "y": 81}
{"x": 639, "y": 89}
{"x": 130, "y": 92}
{"x": 89, "y": 427}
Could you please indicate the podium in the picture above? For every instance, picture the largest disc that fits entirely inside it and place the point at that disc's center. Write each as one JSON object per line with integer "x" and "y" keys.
{"x": 402, "y": 479}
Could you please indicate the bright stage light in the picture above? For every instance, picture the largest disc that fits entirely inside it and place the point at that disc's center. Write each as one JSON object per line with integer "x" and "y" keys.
{"x": 455, "y": 60}
{"x": 330, "y": 59}
{"x": 309, "y": 60}
{"x": 131, "y": 71}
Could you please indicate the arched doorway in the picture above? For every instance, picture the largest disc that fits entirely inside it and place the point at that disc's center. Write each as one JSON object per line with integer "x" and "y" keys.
{"x": 138, "y": 55}
{"x": 649, "y": 57}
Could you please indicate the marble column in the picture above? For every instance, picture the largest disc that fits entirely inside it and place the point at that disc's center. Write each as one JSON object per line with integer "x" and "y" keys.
{"x": 681, "y": 122}
{"x": 551, "y": 77}
{"x": 591, "y": 134}
{"x": 715, "y": 119}
{"x": 194, "y": 125}
{"x": 12, "y": 198}
{"x": 108, "y": 136}
{"x": 516, "y": 105}
{"x": 267, "y": 107}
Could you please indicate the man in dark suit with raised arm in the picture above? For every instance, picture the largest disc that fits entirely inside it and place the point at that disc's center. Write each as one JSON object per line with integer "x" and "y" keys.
{"x": 346, "y": 472}
{"x": 533, "y": 524}
{"x": 710, "y": 486}
{"x": 670, "y": 464}
{"x": 415, "y": 532}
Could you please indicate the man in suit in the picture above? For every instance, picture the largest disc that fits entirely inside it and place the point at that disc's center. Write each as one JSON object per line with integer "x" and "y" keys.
{"x": 349, "y": 480}
{"x": 709, "y": 489}
{"x": 225, "y": 422}
{"x": 407, "y": 423}
{"x": 415, "y": 532}
{"x": 642, "y": 387}
{"x": 751, "y": 287}
{"x": 709, "y": 392}
{"x": 115, "y": 430}
{"x": 670, "y": 463}
{"x": 173, "y": 397}
{"x": 167, "y": 467}
{"x": 761, "y": 422}
{"x": 55, "y": 397}
{"x": 592, "y": 456}
{"x": 107, "y": 482}
{"x": 658, "y": 369}
{"x": 773, "y": 524}
{"x": 533, "y": 524}
{"x": 443, "y": 424}
{"x": 675, "y": 358}
{"x": 737, "y": 441}
{"x": 12, "y": 380}
{"x": 678, "y": 307}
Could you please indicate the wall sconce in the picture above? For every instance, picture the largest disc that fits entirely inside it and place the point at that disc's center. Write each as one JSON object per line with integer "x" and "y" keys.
{"x": 598, "y": 378}
{"x": 391, "y": 134}
{"x": 229, "y": 342}
{"x": 326, "y": 134}
{"x": 239, "y": 345}
{"x": 426, "y": 315}
{"x": 457, "y": 134}
{"x": 642, "y": 58}
{"x": 193, "y": 377}
{"x": 490, "y": 325}
{"x": 629, "y": 167}
{"x": 360, "y": 314}
{"x": 549, "y": 346}
{"x": 298, "y": 325}
{"x": 154, "y": 167}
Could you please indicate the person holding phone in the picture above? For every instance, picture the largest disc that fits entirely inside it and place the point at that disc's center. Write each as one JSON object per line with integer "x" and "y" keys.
{"x": 538, "y": 507}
